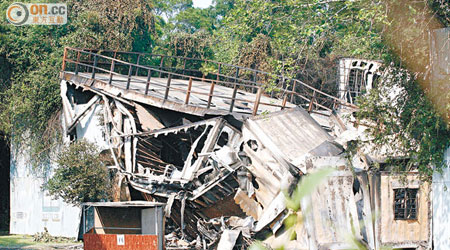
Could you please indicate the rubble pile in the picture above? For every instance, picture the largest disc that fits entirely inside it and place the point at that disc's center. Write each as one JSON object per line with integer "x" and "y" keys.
{"x": 223, "y": 180}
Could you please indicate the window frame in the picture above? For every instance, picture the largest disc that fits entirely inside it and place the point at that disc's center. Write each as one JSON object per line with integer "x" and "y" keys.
{"x": 406, "y": 200}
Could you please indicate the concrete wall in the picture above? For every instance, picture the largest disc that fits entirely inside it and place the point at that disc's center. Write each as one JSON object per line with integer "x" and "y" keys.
{"x": 441, "y": 207}
{"x": 31, "y": 210}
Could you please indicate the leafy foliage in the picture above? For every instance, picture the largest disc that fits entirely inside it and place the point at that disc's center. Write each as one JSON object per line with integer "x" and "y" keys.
{"x": 81, "y": 175}
{"x": 31, "y": 58}
{"x": 406, "y": 123}
{"x": 307, "y": 185}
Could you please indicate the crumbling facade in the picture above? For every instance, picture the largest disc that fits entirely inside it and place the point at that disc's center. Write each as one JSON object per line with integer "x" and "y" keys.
{"x": 222, "y": 155}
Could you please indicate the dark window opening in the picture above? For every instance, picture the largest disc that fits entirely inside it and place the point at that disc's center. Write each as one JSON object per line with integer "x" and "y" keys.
{"x": 200, "y": 145}
{"x": 4, "y": 184}
{"x": 405, "y": 203}
{"x": 223, "y": 139}
{"x": 253, "y": 145}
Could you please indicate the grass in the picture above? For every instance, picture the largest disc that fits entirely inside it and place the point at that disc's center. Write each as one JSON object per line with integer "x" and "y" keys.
{"x": 16, "y": 241}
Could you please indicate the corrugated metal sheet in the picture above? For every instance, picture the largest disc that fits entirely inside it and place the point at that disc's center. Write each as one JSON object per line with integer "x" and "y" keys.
{"x": 332, "y": 212}
{"x": 291, "y": 133}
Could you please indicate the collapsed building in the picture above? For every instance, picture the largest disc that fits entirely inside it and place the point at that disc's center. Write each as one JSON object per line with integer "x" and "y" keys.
{"x": 222, "y": 152}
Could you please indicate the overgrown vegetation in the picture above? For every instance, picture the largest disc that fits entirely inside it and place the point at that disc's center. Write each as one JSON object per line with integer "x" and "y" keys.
{"x": 81, "y": 176}
{"x": 31, "y": 58}
{"x": 405, "y": 123}
{"x": 296, "y": 38}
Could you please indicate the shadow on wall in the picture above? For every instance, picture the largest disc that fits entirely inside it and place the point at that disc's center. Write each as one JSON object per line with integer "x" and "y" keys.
{"x": 4, "y": 184}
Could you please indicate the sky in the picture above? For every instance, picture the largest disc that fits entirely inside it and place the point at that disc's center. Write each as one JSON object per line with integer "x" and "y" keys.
{"x": 202, "y": 3}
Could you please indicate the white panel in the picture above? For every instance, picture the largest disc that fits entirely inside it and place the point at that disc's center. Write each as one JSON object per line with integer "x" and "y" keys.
{"x": 441, "y": 207}
{"x": 149, "y": 221}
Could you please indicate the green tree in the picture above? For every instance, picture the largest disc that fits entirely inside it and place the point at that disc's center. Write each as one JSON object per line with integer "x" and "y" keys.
{"x": 31, "y": 57}
{"x": 81, "y": 175}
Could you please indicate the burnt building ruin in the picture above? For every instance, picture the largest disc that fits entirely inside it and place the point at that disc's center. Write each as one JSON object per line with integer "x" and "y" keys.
{"x": 222, "y": 152}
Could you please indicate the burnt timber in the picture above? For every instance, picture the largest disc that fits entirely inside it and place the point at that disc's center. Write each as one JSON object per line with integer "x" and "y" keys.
{"x": 221, "y": 148}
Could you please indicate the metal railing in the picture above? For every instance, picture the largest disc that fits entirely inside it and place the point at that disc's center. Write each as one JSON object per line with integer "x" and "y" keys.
{"x": 142, "y": 68}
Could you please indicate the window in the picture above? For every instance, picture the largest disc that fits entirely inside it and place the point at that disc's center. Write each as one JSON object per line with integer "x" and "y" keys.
{"x": 405, "y": 203}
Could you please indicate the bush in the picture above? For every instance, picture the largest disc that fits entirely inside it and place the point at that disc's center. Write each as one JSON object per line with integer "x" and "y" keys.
{"x": 81, "y": 175}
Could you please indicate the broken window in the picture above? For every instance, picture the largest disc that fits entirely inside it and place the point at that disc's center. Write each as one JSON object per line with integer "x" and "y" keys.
{"x": 405, "y": 203}
{"x": 357, "y": 77}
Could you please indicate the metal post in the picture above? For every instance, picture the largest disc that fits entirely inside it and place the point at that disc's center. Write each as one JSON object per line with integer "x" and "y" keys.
{"x": 293, "y": 91}
{"x": 161, "y": 66}
{"x": 211, "y": 91}
{"x": 166, "y": 95}
{"x": 258, "y": 98}
{"x": 137, "y": 62}
{"x": 311, "y": 103}
{"x": 255, "y": 80}
{"x": 89, "y": 60}
{"x": 95, "y": 66}
{"x": 184, "y": 66}
{"x": 218, "y": 74}
{"x": 148, "y": 80}
{"x": 113, "y": 62}
{"x": 233, "y": 97}
{"x": 188, "y": 93}
{"x": 130, "y": 70}
{"x": 64, "y": 59}
{"x": 283, "y": 104}
{"x": 76, "y": 64}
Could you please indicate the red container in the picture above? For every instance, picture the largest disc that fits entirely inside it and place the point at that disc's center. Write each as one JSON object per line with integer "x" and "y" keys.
{"x": 120, "y": 242}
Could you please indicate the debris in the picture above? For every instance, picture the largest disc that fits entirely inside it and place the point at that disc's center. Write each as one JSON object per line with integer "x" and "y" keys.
{"x": 228, "y": 239}
{"x": 224, "y": 178}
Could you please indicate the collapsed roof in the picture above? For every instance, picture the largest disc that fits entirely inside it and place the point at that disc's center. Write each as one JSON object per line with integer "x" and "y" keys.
{"x": 223, "y": 173}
